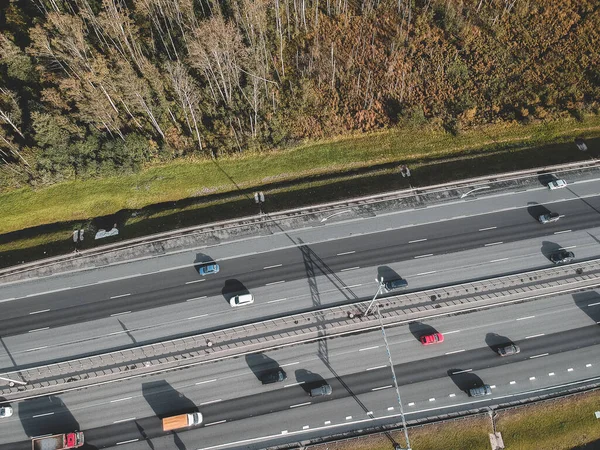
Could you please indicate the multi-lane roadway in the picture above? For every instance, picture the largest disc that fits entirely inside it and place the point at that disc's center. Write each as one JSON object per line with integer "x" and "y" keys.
{"x": 75, "y": 315}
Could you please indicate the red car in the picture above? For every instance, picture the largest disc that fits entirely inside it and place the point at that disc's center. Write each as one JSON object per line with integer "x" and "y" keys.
{"x": 435, "y": 338}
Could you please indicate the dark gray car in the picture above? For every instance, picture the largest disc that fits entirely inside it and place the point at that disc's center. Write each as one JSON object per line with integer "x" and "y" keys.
{"x": 320, "y": 391}
{"x": 391, "y": 285}
{"x": 481, "y": 391}
{"x": 562, "y": 257}
{"x": 273, "y": 376}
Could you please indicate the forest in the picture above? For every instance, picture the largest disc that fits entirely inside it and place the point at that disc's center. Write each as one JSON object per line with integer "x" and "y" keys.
{"x": 92, "y": 88}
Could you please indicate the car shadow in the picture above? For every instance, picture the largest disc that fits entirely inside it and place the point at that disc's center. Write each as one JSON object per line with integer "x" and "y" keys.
{"x": 464, "y": 380}
{"x": 535, "y": 210}
{"x": 259, "y": 363}
{"x": 385, "y": 273}
{"x": 419, "y": 329}
{"x": 583, "y": 299}
{"x": 166, "y": 401}
{"x": 309, "y": 380}
{"x": 496, "y": 341}
{"x": 233, "y": 287}
{"x": 546, "y": 177}
{"x": 201, "y": 260}
{"x": 548, "y": 248}
{"x": 60, "y": 421}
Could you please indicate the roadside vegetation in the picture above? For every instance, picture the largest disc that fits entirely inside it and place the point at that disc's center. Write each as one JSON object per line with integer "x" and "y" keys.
{"x": 562, "y": 424}
{"x": 38, "y": 222}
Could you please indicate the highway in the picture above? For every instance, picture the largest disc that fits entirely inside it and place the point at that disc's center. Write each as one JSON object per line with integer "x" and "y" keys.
{"x": 115, "y": 314}
{"x": 564, "y": 333}
{"x": 78, "y": 314}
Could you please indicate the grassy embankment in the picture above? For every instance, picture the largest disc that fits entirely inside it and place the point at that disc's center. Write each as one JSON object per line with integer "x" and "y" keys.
{"x": 38, "y": 223}
{"x": 563, "y": 424}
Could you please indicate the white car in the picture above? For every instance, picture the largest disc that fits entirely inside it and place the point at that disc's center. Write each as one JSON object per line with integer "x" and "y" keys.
{"x": 557, "y": 184}
{"x": 241, "y": 299}
{"x": 6, "y": 411}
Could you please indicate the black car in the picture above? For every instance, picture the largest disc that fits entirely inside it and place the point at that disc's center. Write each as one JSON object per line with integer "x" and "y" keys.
{"x": 273, "y": 376}
{"x": 562, "y": 257}
{"x": 391, "y": 285}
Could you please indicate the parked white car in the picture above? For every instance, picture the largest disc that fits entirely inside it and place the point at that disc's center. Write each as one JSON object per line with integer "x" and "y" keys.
{"x": 557, "y": 184}
{"x": 6, "y": 411}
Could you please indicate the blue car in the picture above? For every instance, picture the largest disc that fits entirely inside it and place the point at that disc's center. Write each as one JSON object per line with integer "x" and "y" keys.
{"x": 208, "y": 269}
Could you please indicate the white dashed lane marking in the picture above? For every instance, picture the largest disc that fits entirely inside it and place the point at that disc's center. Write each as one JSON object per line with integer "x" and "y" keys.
{"x": 46, "y": 310}
{"x": 272, "y": 267}
{"x": 119, "y": 296}
{"x": 488, "y": 228}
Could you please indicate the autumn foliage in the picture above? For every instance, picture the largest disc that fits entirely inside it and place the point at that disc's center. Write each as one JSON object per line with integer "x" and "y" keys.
{"x": 95, "y": 87}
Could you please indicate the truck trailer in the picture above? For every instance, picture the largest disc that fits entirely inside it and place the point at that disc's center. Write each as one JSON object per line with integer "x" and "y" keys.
{"x": 181, "y": 421}
{"x": 58, "y": 441}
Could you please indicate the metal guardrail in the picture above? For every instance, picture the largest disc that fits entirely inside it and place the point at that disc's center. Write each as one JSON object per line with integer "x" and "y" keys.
{"x": 295, "y": 329}
{"x": 319, "y": 210}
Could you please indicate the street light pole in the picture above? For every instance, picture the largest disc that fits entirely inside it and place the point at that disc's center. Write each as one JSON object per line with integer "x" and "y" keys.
{"x": 387, "y": 348}
{"x": 11, "y": 383}
{"x": 375, "y": 297}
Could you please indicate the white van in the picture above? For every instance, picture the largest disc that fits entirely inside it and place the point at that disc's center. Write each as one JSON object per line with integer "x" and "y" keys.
{"x": 241, "y": 299}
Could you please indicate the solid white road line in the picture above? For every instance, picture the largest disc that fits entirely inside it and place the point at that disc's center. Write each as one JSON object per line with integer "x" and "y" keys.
{"x": 290, "y": 364}
{"x": 46, "y": 310}
{"x": 346, "y": 253}
{"x": 382, "y": 387}
{"x": 272, "y": 267}
{"x": 215, "y": 423}
{"x": 300, "y": 404}
{"x": 488, "y": 228}
{"x": 534, "y": 336}
{"x": 194, "y": 281}
{"x": 375, "y": 368}
{"x": 197, "y": 317}
{"x": 38, "y": 329}
{"x": 37, "y": 348}
{"x": 119, "y": 296}
{"x": 416, "y": 240}
{"x": 455, "y": 351}
{"x": 368, "y": 348}
{"x": 560, "y": 232}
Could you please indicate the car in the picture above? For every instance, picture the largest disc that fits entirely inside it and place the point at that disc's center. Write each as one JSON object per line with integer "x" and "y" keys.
{"x": 390, "y": 285}
{"x": 321, "y": 391}
{"x": 241, "y": 299}
{"x": 5, "y": 411}
{"x": 557, "y": 184}
{"x": 273, "y": 376}
{"x": 208, "y": 269}
{"x": 480, "y": 391}
{"x": 562, "y": 257}
{"x": 509, "y": 350}
{"x": 435, "y": 338}
{"x": 549, "y": 218}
